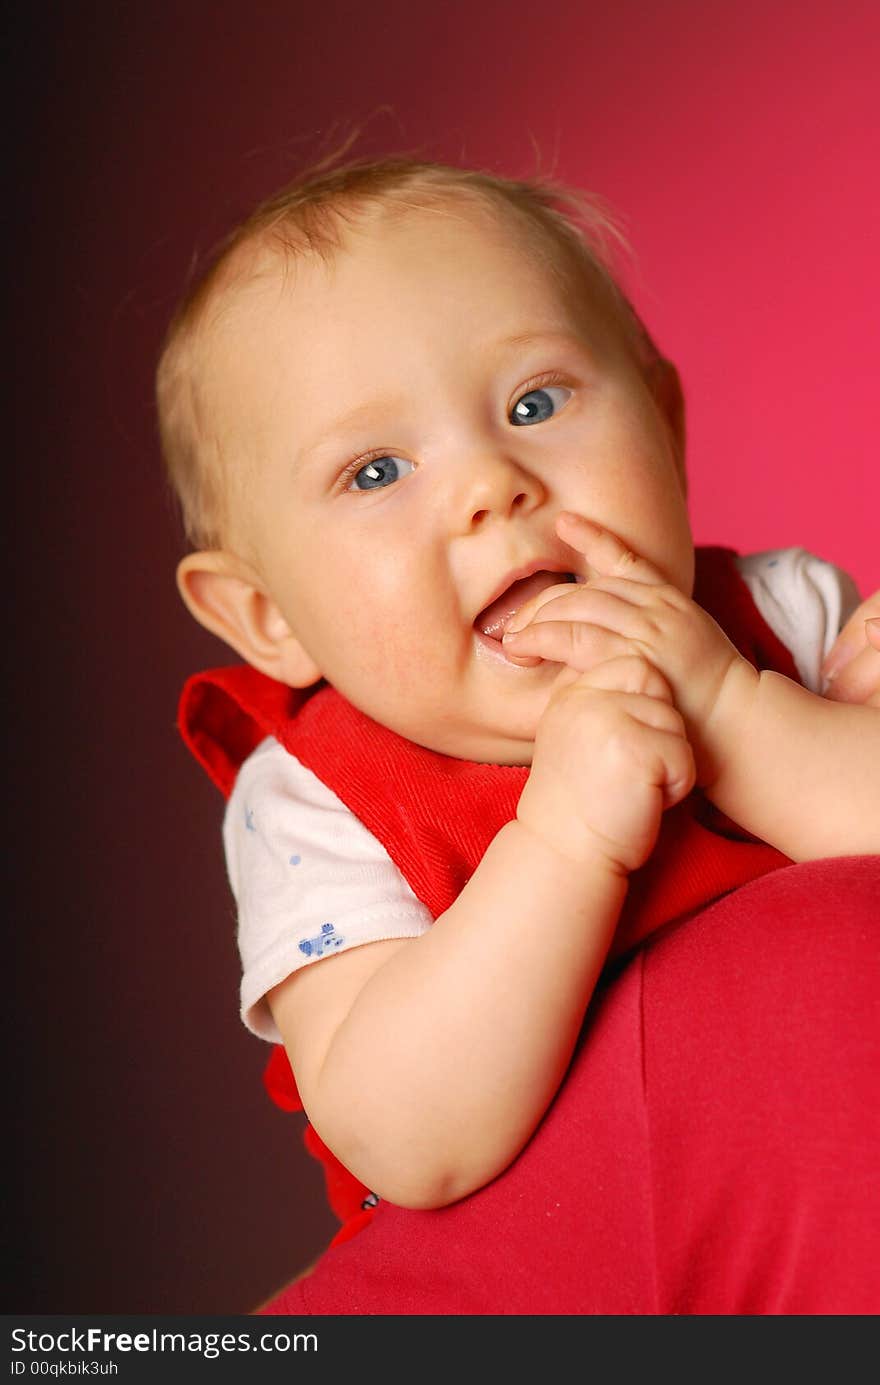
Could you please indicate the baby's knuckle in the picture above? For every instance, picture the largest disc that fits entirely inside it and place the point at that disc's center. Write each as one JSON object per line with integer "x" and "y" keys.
{"x": 626, "y": 560}
{"x": 619, "y": 733}
{"x": 629, "y": 674}
{"x": 570, "y": 702}
{"x": 674, "y": 599}
{"x": 574, "y": 639}
{"x": 671, "y": 718}
{"x": 641, "y": 676}
{"x": 656, "y": 685}
{"x": 680, "y": 764}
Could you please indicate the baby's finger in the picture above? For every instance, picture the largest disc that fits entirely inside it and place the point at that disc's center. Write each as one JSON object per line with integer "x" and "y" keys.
{"x": 590, "y": 605}
{"x": 858, "y": 680}
{"x": 863, "y": 625}
{"x": 680, "y": 768}
{"x": 666, "y": 744}
{"x": 569, "y": 642}
{"x": 657, "y": 713}
{"x": 628, "y": 673}
{"x": 605, "y": 552}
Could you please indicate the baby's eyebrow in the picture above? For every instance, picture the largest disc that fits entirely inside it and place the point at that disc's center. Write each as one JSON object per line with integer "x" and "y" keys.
{"x": 362, "y": 416}
{"x": 521, "y": 339}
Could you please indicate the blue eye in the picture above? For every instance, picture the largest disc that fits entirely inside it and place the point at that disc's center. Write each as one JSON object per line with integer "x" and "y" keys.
{"x": 536, "y": 406}
{"x": 381, "y": 471}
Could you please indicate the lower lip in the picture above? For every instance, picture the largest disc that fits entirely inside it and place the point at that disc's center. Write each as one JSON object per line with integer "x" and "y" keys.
{"x": 493, "y": 649}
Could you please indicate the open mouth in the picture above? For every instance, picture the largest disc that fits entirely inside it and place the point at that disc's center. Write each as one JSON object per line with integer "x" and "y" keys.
{"x": 494, "y": 619}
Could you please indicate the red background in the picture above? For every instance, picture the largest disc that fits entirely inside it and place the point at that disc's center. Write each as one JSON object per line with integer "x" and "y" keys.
{"x": 738, "y": 141}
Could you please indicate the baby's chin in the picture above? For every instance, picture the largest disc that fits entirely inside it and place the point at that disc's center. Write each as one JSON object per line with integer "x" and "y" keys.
{"x": 470, "y": 730}
{"x": 483, "y": 746}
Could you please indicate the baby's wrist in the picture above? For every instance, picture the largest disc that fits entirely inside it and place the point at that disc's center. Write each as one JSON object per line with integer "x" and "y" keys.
{"x": 580, "y": 855}
{"x": 721, "y": 738}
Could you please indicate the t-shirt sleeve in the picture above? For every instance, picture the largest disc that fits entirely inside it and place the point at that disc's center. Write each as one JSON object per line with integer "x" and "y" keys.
{"x": 804, "y": 600}
{"x": 307, "y": 876}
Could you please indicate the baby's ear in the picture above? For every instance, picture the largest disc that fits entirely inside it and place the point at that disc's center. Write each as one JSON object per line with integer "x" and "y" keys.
{"x": 228, "y": 597}
{"x": 665, "y": 385}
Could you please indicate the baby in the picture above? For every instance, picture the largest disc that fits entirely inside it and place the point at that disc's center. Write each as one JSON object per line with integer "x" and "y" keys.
{"x": 432, "y": 466}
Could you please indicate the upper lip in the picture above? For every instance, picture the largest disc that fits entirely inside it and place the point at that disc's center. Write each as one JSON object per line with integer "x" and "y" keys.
{"x": 518, "y": 573}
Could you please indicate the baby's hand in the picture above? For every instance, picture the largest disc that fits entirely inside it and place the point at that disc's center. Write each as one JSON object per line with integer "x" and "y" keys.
{"x": 852, "y": 669}
{"x": 627, "y": 607}
{"x": 610, "y": 754}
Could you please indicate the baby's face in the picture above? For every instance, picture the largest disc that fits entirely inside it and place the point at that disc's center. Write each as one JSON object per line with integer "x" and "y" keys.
{"x": 419, "y": 411}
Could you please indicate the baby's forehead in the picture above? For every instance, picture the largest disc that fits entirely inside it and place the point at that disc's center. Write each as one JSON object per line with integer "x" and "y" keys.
{"x": 404, "y": 250}
{"x": 290, "y": 254}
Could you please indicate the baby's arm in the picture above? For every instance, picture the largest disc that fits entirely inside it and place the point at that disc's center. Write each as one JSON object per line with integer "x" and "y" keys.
{"x": 426, "y": 1064}
{"x": 801, "y": 772}
{"x": 795, "y": 769}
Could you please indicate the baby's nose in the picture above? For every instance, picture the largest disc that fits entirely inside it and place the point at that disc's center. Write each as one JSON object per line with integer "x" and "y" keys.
{"x": 493, "y": 485}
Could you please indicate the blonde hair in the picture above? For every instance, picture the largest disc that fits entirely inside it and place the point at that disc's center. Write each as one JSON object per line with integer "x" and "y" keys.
{"x": 575, "y": 233}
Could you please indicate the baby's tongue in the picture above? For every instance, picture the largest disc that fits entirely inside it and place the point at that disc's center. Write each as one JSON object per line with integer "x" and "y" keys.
{"x": 493, "y": 621}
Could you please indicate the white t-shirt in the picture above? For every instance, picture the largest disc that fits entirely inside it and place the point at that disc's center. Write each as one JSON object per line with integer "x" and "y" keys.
{"x": 308, "y": 877}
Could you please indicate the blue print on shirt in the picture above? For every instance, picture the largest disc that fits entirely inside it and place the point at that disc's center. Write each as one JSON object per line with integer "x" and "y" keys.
{"x": 328, "y": 937}
{"x": 249, "y": 819}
